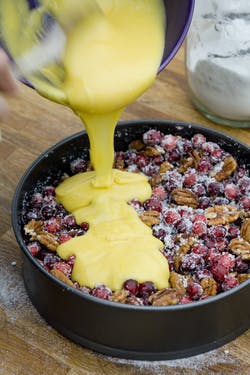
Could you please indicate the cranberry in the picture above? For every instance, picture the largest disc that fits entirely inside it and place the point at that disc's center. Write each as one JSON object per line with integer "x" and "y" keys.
{"x": 132, "y": 286}
{"x": 221, "y": 201}
{"x": 245, "y": 202}
{"x": 229, "y": 282}
{"x": 146, "y": 289}
{"x": 199, "y": 227}
{"x": 228, "y": 261}
{"x": 173, "y": 156}
{"x": 48, "y": 211}
{"x": 157, "y": 160}
{"x": 33, "y": 215}
{"x": 153, "y": 204}
{"x": 78, "y": 166}
{"x": 37, "y": 200}
{"x": 53, "y": 225}
{"x": 203, "y": 202}
{"x": 135, "y": 203}
{"x": 50, "y": 260}
{"x": 244, "y": 185}
{"x": 204, "y": 165}
{"x": 64, "y": 237}
{"x": 215, "y": 188}
{"x": 222, "y": 245}
{"x": 241, "y": 172}
{"x": 69, "y": 221}
{"x": 85, "y": 290}
{"x": 172, "y": 217}
{"x": 101, "y": 291}
{"x": 218, "y": 232}
{"x": 159, "y": 233}
{"x": 169, "y": 142}
{"x": 34, "y": 248}
{"x": 199, "y": 190}
{"x": 150, "y": 170}
{"x": 152, "y": 137}
{"x": 63, "y": 267}
{"x": 192, "y": 262}
{"x": 240, "y": 265}
{"x": 85, "y": 226}
{"x": 212, "y": 257}
{"x": 159, "y": 192}
{"x": 219, "y": 271}
{"x": 195, "y": 291}
{"x": 185, "y": 299}
{"x": 190, "y": 179}
{"x": 187, "y": 145}
{"x": 198, "y": 140}
{"x": 209, "y": 147}
{"x": 233, "y": 232}
{"x": 231, "y": 191}
{"x": 217, "y": 154}
{"x": 71, "y": 260}
{"x": 172, "y": 180}
{"x": 49, "y": 191}
{"x": 199, "y": 217}
{"x": 141, "y": 161}
{"x": 200, "y": 249}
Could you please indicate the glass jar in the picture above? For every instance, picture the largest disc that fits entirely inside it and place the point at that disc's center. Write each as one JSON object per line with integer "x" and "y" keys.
{"x": 218, "y": 61}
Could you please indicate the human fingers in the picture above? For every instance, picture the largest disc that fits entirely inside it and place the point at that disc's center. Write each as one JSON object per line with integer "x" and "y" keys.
{"x": 8, "y": 84}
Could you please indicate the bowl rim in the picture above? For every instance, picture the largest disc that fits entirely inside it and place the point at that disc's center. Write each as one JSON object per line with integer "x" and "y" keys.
{"x": 93, "y": 299}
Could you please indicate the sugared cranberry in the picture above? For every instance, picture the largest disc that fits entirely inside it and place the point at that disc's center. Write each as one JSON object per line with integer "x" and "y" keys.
{"x": 153, "y": 204}
{"x": 218, "y": 232}
{"x": 199, "y": 217}
{"x": 169, "y": 142}
{"x": 192, "y": 262}
{"x": 172, "y": 217}
{"x": 185, "y": 299}
{"x": 132, "y": 286}
{"x": 172, "y": 180}
{"x": 63, "y": 267}
{"x": 150, "y": 169}
{"x": 199, "y": 190}
{"x": 78, "y": 166}
{"x": 49, "y": 191}
{"x": 50, "y": 260}
{"x": 203, "y": 202}
{"x": 173, "y": 156}
{"x": 187, "y": 145}
{"x": 33, "y": 214}
{"x": 233, "y": 232}
{"x": 159, "y": 192}
{"x": 34, "y": 248}
{"x": 69, "y": 221}
{"x": 157, "y": 160}
{"x": 190, "y": 179}
{"x": 159, "y": 233}
{"x": 199, "y": 275}
{"x": 195, "y": 291}
{"x": 37, "y": 200}
{"x": 228, "y": 261}
{"x": 141, "y": 161}
{"x": 209, "y": 147}
{"x": 48, "y": 211}
{"x": 241, "y": 172}
{"x": 215, "y": 188}
{"x": 198, "y": 140}
{"x": 199, "y": 227}
{"x": 101, "y": 291}
{"x": 219, "y": 271}
{"x": 152, "y": 137}
{"x": 200, "y": 249}
{"x": 71, "y": 260}
{"x": 245, "y": 202}
{"x": 231, "y": 191}
{"x": 136, "y": 204}
{"x": 204, "y": 165}
{"x": 229, "y": 282}
{"x": 85, "y": 226}
{"x": 64, "y": 237}
{"x": 85, "y": 289}
{"x": 146, "y": 289}
{"x": 221, "y": 201}
{"x": 217, "y": 154}
{"x": 212, "y": 256}
{"x": 244, "y": 185}
{"x": 53, "y": 225}
{"x": 240, "y": 265}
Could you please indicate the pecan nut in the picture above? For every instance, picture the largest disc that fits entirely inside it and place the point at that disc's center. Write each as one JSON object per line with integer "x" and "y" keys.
{"x": 184, "y": 197}
{"x": 62, "y": 277}
{"x": 137, "y": 145}
{"x": 178, "y": 282}
{"x": 245, "y": 230}
{"x": 35, "y": 230}
{"x": 186, "y": 163}
{"x": 221, "y": 215}
{"x": 120, "y": 296}
{"x": 209, "y": 286}
{"x": 150, "y": 217}
{"x": 228, "y": 167}
{"x": 165, "y": 166}
{"x": 164, "y": 297}
{"x": 151, "y": 151}
{"x": 243, "y": 277}
{"x": 240, "y": 247}
{"x": 48, "y": 240}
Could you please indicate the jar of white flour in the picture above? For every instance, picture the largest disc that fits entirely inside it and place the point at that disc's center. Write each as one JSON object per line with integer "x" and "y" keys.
{"x": 218, "y": 60}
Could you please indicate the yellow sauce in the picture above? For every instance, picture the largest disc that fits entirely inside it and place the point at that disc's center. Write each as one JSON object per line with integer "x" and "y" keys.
{"x": 110, "y": 59}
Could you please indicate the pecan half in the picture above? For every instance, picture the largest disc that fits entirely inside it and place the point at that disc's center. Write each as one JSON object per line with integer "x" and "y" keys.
{"x": 228, "y": 167}
{"x": 120, "y": 296}
{"x": 240, "y": 247}
{"x": 245, "y": 230}
{"x": 243, "y": 277}
{"x": 48, "y": 240}
{"x": 35, "y": 230}
{"x": 178, "y": 282}
{"x": 60, "y": 275}
{"x": 209, "y": 286}
{"x": 164, "y": 297}
{"x": 151, "y": 151}
{"x": 221, "y": 215}
{"x": 150, "y": 217}
{"x": 165, "y": 166}
{"x": 185, "y": 164}
{"x": 137, "y": 145}
{"x": 119, "y": 163}
{"x": 184, "y": 197}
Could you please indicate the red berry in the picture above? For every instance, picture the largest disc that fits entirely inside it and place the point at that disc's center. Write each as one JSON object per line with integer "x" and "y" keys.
{"x": 53, "y": 225}
{"x": 195, "y": 290}
{"x": 49, "y": 191}
{"x": 146, "y": 289}
{"x": 64, "y": 237}
{"x": 218, "y": 232}
{"x": 240, "y": 265}
{"x": 228, "y": 261}
{"x": 229, "y": 283}
{"x": 63, "y": 267}
{"x": 132, "y": 286}
{"x": 78, "y": 166}
{"x": 172, "y": 217}
{"x": 85, "y": 226}
{"x": 245, "y": 202}
{"x": 192, "y": 262}
{"x": 159, "y": 192}
{"x": 200, "y": 249}
{"x": 233, "y": 232}
{"x": 204, "y": 165}
{"x": 231, "y": 191}
{"x": 198, "y": 140}
{"x": 202, "y": 274}
{"x": 71, "y": 260}
{"x": 219, "y": 271}
{"x": 152, "y": 137}
{"x": 69, "y": 221}
{"x": 169, "y": 142}
{"x": 185, "y": 299}
{"x": 190, "y": 179}
{"x": 199, "y": 217}
{"x": 34, "y": 248}
{"x": 199, "y": 227}
{"x": 101, "y": 291}
{"x": 141, "y": 161}
{"x": 153, "y": 204}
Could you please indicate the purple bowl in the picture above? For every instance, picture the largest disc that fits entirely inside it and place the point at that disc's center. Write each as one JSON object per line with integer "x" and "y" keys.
{"x": 179, "y": 15}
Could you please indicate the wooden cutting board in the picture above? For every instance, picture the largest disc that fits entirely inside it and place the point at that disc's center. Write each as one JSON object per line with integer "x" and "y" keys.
{"x": 28, "y": 346}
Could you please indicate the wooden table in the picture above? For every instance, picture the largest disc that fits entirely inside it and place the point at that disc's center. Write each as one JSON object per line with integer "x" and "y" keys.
{"x": 28, "y": 346}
